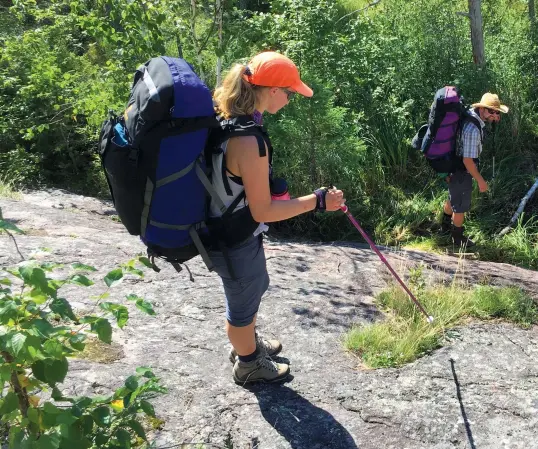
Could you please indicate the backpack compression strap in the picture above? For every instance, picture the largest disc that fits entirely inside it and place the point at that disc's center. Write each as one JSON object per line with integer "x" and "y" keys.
{"x": 452, "y": 107}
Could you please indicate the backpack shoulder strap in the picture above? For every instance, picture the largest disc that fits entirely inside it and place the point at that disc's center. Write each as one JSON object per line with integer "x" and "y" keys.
{"x": 469, "y": 118}
{"x": 241, "y": 126}
{"x": 246, "y": 126}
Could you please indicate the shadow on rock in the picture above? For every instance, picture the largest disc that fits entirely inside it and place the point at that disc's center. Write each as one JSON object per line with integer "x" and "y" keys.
{"x": 301, "y": 423}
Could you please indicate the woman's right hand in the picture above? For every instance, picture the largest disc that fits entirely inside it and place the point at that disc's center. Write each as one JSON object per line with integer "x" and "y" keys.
{"x": 334, "y": 198}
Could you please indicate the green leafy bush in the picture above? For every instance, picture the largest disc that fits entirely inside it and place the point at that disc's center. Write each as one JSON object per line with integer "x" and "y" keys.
{"x": 40, "y": 332}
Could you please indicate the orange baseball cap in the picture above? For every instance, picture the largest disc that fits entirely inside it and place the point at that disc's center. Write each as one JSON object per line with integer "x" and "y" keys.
{"x": 271, "y": 69}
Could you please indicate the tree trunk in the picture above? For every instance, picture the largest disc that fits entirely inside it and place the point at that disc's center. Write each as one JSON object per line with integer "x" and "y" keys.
{"x": 195, "y": 41}
{"x": 22, "y": 394}
{"x": 179, "y": 47}
{"x": 477, "y": 36}
{"x": 532, "y": 11}
{"x": 219, "y": 57}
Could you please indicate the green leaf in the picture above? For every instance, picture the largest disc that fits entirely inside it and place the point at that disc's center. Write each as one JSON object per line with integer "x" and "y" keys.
{"x": 137, "y": 427}
{"x": 104, "y": 295}
{"x": 124, "y": 438}
{"x": 83, "y": 401}
{"x": 108, "y": 306}
{"x": 101, "y": 439}
{"x": 49, "y": 441}
{"x": 38, "y": 296}
{"x": 134, "y": 271}
{"x": 147, "y": 408}
{"x": 33, "y": 415}
{"x": 103, "y": 329}
{"x": 82, "y": 267}
{"x": 50, "y": 413}
{"x": 122, "y": 316}
{"x": 57, "y": 394}
{"x": 113, "y": 277}
{"x": 145, "y": 261}
{"x": 101, "y": 416}
{"x": 53, "y": 348}
{"x": 89, "y": 319}
{"x": 86, "y": 422}
{"x": 5, "y": 225}
{"x": 101, "y": 399}
{"x": 41, "y": 327}
{"x": 5, "y": 281}
{"x": 34, "y": 346}
{"x": 71, "y": 433}
{"x": 131, "y": 383}
{"x": 9, "y": 403}
{"x": 14, "y": 272}
{"x": 16, "y": 435}
{"x": 66, "y": 418}
{"x": 38, "y": 370}
{"x": 56, "y": 371}
{"x": 5, "y": 372}
{"x": 50, "y": 266}
{"x": 36, "y": 278}
{"x": 145, "y": 306}
{"x": 62, "y": 307}
{"x": 77, "y": 342}
{"x": 16, "y": 343}
{"x": 80, "y": 279}
{"x": 8, "y": 311}
{"x": 127, "y": 399}
{"x": 121, "y": 392}
{"x": 144, "y": 371}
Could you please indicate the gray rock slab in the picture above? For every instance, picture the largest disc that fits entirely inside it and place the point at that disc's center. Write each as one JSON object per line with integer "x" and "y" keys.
{"x": 479, "y": 392}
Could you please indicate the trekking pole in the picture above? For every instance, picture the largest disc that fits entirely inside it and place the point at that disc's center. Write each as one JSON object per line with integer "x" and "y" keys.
{"x": 345, "y": 209}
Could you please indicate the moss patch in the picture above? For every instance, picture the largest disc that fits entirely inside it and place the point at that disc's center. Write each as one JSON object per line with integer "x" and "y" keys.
{"x": 97, "y": 351}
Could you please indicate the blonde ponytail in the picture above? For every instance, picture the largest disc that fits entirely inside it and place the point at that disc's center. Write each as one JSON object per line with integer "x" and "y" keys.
{"x": 236, "y": 96}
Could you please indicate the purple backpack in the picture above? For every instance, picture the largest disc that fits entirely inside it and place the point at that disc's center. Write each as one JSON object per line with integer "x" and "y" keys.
{"x": 439, "y": 137}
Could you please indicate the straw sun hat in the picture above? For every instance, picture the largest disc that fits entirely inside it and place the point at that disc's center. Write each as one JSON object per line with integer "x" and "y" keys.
{"x": 491, "y": 101}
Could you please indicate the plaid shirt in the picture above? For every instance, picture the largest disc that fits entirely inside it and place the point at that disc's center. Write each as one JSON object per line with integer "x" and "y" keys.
{"x": 471, "y": 138}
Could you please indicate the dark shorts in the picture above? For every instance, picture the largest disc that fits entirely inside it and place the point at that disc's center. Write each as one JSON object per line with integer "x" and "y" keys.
{"x": 244, "y": 292}
{"x": 460, "y": 189}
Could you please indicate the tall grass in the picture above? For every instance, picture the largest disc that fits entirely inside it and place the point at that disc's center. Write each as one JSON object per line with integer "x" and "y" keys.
{"x": 405, "y": 335}
{"x": 8, "y": 189}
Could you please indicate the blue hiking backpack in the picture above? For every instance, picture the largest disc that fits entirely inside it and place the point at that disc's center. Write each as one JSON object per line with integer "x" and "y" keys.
{"x": 438, "y": 139}
{"x": 157, "y": 162}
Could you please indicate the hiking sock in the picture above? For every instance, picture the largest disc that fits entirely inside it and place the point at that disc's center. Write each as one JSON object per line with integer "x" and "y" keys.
{"x": 249, "y": 358}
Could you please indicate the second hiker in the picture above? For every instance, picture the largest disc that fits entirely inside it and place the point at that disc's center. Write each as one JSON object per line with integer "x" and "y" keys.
{"x": 460, "y": 183}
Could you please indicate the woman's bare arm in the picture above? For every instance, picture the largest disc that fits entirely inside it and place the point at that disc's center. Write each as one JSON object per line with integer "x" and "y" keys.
{"x": 243, "y": 159}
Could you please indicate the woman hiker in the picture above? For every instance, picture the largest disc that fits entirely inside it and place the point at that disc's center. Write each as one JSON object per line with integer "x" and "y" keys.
{"x": 242, "y": 171}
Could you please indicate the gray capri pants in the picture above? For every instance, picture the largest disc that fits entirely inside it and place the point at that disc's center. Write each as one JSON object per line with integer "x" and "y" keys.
{"x": 460, "y": 188}
{"x": 244, "y": 293}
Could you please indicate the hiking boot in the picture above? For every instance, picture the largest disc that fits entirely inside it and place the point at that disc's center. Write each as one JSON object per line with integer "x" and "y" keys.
{"x": 446, "y": 224}
{"x": 459, "y": 239}
{"x": 262, "y": 369}
{"x": 269, "y": 348}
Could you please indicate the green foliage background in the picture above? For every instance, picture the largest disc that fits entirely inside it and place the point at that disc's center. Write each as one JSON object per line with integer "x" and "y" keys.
{"x": 64, "y": 63}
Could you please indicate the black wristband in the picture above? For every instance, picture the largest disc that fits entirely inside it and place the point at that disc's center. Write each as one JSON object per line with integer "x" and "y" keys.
{"x": 320, "y": 199}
